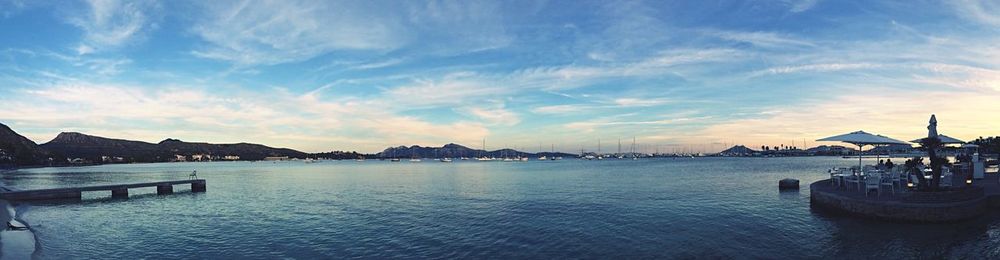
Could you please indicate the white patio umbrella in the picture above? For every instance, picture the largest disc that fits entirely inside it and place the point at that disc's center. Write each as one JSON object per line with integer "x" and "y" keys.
{"x": 862, "y": 138}
{"x": 944, "y": 140}
{"x": 932, "y": 132}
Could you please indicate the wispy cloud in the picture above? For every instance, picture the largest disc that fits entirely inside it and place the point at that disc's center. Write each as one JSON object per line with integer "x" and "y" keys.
{"x": 640, "y": 102}
{"x": 560, "y": 109}
{"x": 616, "y": 124}
{"x": 495, "y": 115}
{"x": 761, "y": 39}
{"x": 112, "y": 23}
{"x": 272, "y": 32}
{"x": 275, "y": 32}
{"x": 982, "y": 11}
{"x": 902, "y": 118}
{"x": 233, "y": 117}
{"x": 379, "y": 64}
{"x": 802, "y": 5}
{"x": 453, "y": 89}
{"x": 827, "y": 67}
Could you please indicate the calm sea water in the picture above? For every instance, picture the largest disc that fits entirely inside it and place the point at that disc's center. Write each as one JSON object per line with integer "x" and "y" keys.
{"x": 657, "y": 208}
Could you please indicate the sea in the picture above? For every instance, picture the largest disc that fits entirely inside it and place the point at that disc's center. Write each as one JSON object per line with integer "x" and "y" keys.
{"x": 664, "y": 208}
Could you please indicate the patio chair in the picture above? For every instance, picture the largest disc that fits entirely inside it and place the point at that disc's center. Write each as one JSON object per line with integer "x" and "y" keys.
{"x": 853, "y": 180}
{"x": 889, "y": 179}
{"x": 872, "y": 183}
{"x": 915, "y": 180}
{"x": 946, "y": 180}
{"x": 899, "y": 177}
{"x": 835, "y": 177}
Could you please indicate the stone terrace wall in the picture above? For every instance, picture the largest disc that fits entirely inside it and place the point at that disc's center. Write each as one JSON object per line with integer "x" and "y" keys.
{"x": 921, "y": 208}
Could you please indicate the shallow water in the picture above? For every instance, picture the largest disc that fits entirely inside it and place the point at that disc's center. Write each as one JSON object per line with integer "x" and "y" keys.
{"x": 666, "y": 208}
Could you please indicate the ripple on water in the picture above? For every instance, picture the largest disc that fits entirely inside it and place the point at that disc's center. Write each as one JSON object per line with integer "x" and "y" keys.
{"x": 673, "y": 208}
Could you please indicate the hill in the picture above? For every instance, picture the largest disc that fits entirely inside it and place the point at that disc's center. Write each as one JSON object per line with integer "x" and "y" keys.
{"x": 77, "y": 145}
{"x": 738, "y": 150}
{"x": 100, "y": 149}
{"x": 455, "y": 151}
{"x": 15, "y": 149}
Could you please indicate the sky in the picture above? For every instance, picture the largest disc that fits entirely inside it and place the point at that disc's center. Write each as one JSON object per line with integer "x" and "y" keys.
{"x": 365, "y": 75}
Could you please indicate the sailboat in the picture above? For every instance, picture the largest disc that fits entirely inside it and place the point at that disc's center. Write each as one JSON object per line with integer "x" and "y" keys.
{"x": 413, "y": 156}
{"x": 634, "y": 156}
{"x": 619, "y": 155}
{"x": 599, "y": 157}
{"x": 482, "y": 155}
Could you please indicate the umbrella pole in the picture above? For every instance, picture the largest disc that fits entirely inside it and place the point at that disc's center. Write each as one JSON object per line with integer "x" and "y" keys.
{"x": 860, "y": 147}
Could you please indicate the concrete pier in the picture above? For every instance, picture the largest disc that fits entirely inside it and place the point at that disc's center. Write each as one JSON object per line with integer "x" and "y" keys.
{"x": 119, "y": 193}
{"x": 117, "y": 190}
{"x": 198, "y": 187}
{"x": 164, "y": 189}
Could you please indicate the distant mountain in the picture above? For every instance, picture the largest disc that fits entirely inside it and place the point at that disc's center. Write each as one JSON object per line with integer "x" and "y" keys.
{"x": 93, "y": 148}
{"x": 341, "y": 155}
{"x": 245, "y": 151}
{"x": 77, "y": 145}
{"x": 738, "y": 150}
{"x": 18, "y": 150}
{"x": 455, "y": 151}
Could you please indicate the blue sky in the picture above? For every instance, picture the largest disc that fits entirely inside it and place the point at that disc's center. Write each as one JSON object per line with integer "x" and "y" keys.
{"x": 364, "y": 75}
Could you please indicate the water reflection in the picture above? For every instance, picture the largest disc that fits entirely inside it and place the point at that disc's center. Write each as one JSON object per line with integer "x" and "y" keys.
{"x": 854, "y": 237}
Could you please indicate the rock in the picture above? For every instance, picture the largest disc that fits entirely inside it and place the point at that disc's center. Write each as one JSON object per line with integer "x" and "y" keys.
{"x": 788, "y": 184}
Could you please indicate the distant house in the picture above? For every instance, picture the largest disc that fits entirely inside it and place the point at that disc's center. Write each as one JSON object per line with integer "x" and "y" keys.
{"x": 180, "y": 158}
{"x": 201, "y": 157}
{"x": 894, "y": 148}
{"x": 112, "y": 159}
{"x": 231, "y": 158}
{"x": 831, "y": 150}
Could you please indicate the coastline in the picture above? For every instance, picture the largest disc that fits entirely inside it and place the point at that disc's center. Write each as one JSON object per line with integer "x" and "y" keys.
{"x": 19, "y": 243}
{"x": 15, "y": 244}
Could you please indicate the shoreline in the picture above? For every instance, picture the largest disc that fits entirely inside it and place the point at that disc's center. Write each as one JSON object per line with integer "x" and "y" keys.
{"x": 16, "y": 244}
{"x": 19, "y": 243}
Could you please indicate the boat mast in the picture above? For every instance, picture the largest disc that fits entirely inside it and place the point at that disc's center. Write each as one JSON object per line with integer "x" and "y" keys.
{"x": 633, "y": 147}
